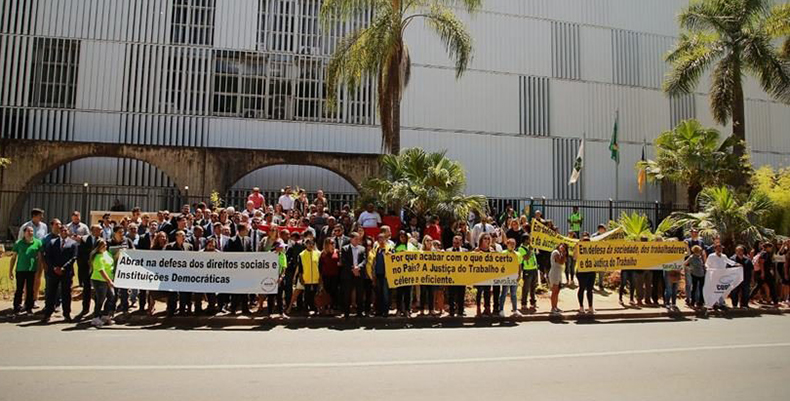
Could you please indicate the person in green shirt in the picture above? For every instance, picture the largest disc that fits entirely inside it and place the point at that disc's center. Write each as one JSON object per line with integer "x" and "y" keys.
{"x": 575, "y": 221}
{"x": 102, "y": 263}
{"x": 26, "y": 256}
{"x": 529, "y": 265}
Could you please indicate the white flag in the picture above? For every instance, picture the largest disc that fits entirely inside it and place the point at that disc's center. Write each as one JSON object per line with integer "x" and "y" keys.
{"x": 719, "y": 283}
{"x": 577, "y": 165}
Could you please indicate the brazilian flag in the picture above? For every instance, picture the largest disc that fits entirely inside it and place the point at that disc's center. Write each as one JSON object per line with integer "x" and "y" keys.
{"x": 614, "y": 147}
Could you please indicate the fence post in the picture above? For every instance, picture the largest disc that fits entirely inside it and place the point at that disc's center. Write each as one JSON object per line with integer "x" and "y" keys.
{"x": 611, "y": 209}
{"x": 531, "y": 207}
{"x": 186, "y": 195}
{"x": 543, "y": 207}
{"x": 85, "y": 212}
{"x": 656, "y": 215}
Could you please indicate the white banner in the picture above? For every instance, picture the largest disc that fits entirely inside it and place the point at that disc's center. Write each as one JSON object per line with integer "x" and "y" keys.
{"x": 210, "y": 272}
{"x": 719, "y": 283}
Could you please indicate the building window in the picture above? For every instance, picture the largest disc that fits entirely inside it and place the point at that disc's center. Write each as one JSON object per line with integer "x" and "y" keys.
{"x": 55, "y": 63}
{"x": 193, "y": 22}
{"x": 239, "y": 84}
{"x": 533, "y": 105}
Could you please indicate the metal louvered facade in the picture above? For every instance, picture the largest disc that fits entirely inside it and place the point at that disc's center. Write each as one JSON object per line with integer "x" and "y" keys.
{"x": 252, "y": 74}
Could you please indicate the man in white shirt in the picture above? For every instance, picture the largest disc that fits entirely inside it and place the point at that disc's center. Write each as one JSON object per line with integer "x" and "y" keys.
{"x": 286, "y": 201}
{"x": 716, "y": 261}
{"x": 77, "y": 227}
{"x": 370, "y": 218}
{"x": 39, "y": 227}
{"x": 484, "y": 226}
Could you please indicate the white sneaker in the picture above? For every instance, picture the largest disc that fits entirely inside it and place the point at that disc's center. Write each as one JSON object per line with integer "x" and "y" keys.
{"x": 517, "y": 313}
{"x": 502, "y": 313}
{"x": 591, "y": 311}
{"x": 97, "y": 322}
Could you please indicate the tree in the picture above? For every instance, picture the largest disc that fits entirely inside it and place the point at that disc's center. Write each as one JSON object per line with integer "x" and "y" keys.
{"x": 636, "y": 226}
{"x": 736, "y": 219}
{"x": 423, "y": 184}
{"x": 731, "y": 38}
{"x": 379, "y": 50}
{"x": 775, "y": 184}
{"x": 692, "y": 155}
{"x": 778, "y": 26}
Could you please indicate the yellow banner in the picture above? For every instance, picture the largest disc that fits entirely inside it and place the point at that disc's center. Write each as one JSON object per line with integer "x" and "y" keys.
{"x": 545, "y": 239}
{"x": 451, "y": 268}
{"x": 629, "y": 255}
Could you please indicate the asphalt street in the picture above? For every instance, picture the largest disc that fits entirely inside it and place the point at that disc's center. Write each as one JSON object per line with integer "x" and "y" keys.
{"x": 702, "y": 359}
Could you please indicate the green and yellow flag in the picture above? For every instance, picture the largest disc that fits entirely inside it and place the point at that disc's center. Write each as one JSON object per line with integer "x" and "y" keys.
{"x": 614, "y": 147}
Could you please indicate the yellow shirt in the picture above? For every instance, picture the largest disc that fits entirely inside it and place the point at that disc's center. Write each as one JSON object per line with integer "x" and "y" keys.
{"x": 310, "y": 274}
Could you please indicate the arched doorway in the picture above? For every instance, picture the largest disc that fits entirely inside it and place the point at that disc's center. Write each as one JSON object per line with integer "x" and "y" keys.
{"x": 272, "y": 179}
{"x": 95, "y": 184}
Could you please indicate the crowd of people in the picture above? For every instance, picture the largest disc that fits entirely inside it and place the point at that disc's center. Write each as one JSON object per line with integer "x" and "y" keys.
{"x": 333, "y": 262}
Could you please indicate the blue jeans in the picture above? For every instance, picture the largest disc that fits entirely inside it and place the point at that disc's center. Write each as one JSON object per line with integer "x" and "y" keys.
{"x": 513, "y": 289}
{"x": 670, "y": 290}
{"x": 105, "y": 298}
{"x": 688, "y": 286}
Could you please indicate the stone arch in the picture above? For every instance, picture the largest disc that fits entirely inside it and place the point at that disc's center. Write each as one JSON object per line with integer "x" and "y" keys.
{"x": 33, "y": 160}
{"x": 354, "y": 168}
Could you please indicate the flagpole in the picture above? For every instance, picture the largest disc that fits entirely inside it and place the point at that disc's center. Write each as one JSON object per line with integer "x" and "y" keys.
{"x": 617, "y": 162}
{"x": 584, "y": 157}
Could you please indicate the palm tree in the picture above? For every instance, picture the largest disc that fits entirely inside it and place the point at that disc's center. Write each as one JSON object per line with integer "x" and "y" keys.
{"x": 423, "y": 184}
{"x": 734, "y": 218}
{"x": 778, "y": 26}
{"x": 692, "y": 155}
{"x": 379, "y": 50}
{"x": 636, "y": 226}
{"x": 731, "y": 38}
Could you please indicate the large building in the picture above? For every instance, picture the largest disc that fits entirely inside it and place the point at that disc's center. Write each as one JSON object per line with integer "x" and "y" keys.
{"x": 250, "y": 74}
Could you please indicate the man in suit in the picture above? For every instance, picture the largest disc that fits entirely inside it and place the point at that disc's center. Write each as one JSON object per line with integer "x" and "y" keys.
{"x": 353, "y": 259}
{"x": 86, "y": 245}
{"x": 183, "y": 299}
{"x": 147, "y": 239}
{"x": 60, "y": 253}
{"x": 338, "y": 238}
{"x": 457, "y": 292}
{"x": 239, "y": 243}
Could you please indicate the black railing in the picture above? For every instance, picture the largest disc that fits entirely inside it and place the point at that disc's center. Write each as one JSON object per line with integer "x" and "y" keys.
{"x": 59, "y": 200}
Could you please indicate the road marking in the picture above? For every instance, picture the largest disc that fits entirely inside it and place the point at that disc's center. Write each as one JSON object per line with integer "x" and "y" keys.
{"x": 297, "y": 365}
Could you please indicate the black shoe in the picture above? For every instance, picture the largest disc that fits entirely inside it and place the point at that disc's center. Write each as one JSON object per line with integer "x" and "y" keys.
{"x": 67, "y": 318}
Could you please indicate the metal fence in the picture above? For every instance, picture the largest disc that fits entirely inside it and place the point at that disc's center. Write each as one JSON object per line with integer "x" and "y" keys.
{"x": 61, "y": 199}
{"x": 238, "y": 198}
{"x": 594, "y": 211}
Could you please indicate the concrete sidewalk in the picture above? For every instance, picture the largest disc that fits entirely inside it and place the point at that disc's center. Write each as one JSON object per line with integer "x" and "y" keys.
{"x": 607, "y": 307}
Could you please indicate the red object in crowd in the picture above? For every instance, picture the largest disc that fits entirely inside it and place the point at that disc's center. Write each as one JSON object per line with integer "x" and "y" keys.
{"x": 372, "y": 232}
{"x": 434, "y": 231}
{"x": 393, "y": 222}
{"x": 265, "y": 228}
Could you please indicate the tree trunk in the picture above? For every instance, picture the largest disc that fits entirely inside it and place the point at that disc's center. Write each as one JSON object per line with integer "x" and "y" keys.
{"x": 394, "y": 95}
{"x": 739, "y": 180}
{"x": 692, "y": 191}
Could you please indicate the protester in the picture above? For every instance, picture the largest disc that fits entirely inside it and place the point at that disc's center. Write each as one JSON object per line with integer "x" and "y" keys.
{"x": 60, "y": 254}
{"x": 26, "y": 256}
{"x": 457, "y": 292}
{"x": 103, "y": 266}
{"x": 558, "y": 258}
{"x": 529, "y": 274}
{"x": 329, "y": 267}
{"x": 586, "y": 286}
{"x": 740, "y": 295}
{"x": 353, "y": 260}
{"x": 511, "y": 289}
{"x": 763, "y": 271}
{"x": 483, "y": 295}
{"x": 696, "y": 269}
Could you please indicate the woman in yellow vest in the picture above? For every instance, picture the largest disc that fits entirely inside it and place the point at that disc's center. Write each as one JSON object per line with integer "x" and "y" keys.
{"x": 307, "y": 276}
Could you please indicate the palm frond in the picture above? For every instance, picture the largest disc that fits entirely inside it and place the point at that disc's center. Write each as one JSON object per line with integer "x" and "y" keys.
{"x": 453, "y": 34}
{"x": 726, "y": 76}
{"x": 692, "y": 55}
{"x": 763, "y": 61}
